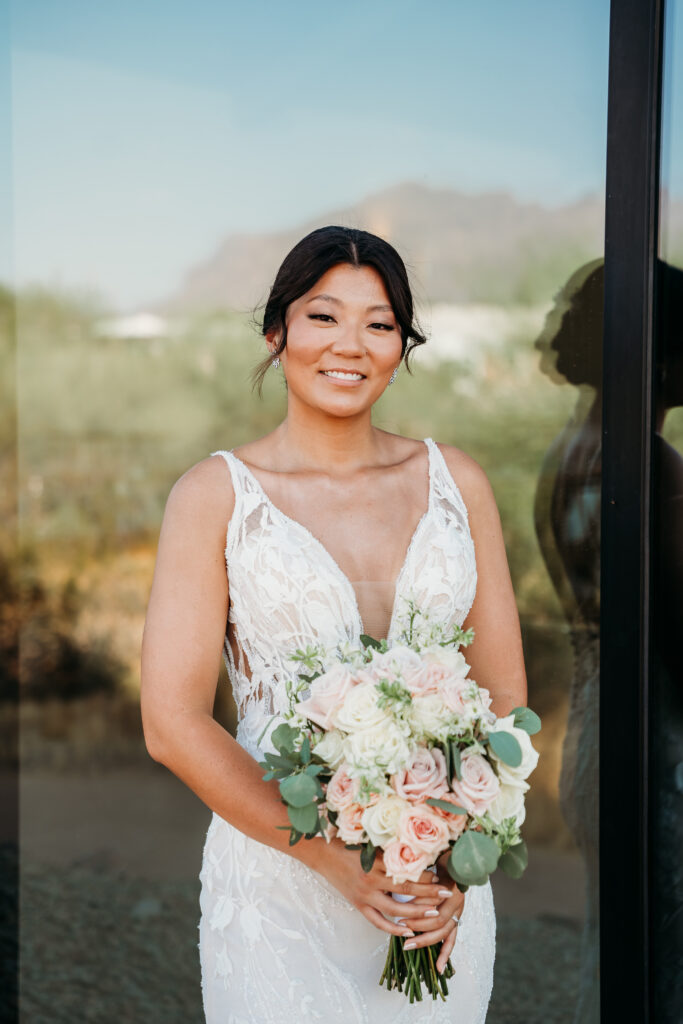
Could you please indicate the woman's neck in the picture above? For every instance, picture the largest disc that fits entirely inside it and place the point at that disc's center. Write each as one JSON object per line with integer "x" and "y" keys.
{"x": 308, "y": 440}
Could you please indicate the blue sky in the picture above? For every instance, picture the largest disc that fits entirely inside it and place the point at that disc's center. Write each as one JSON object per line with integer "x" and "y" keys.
{"x": 144, "y": 132}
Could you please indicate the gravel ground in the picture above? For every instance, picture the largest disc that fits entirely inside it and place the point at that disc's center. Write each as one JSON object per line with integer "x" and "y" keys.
{"x": 102, "y": 948}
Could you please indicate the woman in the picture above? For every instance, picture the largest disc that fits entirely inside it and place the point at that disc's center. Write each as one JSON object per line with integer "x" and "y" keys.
{"x": 331, "y": 523}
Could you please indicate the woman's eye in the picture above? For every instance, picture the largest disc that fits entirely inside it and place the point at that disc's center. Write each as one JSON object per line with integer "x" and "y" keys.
{"x": 320, "y": 316}
{"x": 387, "y": 327}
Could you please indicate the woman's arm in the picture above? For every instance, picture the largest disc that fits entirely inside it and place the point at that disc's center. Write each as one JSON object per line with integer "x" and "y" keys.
{"x": 181, "y": 651}
{"x": 496, "y": 656}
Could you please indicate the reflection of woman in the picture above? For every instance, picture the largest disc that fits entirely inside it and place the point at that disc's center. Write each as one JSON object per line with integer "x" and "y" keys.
{"x": 666, "y": 692}
{"x": 567, "y": 516}
{"x": 330, "y": 523}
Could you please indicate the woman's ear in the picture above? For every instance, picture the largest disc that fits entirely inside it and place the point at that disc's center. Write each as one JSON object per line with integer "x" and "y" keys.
{"x": 272, "y": 341}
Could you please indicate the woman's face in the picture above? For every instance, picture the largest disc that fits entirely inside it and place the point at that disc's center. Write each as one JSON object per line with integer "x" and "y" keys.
{"x": 343, "y": 342}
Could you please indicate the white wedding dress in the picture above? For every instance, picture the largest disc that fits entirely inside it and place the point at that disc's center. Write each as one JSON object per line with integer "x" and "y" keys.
{"x": 278, "y": 943}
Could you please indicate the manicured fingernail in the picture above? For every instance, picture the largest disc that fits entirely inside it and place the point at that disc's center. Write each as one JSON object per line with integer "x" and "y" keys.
{"x": 408, "y": 933}
{"x": 445, "y": 892}
{"x": 409, "y": 945}
{"x": 431, "y": 913}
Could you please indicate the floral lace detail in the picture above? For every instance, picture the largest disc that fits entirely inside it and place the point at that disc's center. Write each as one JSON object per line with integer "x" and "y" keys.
{"x": 277, "y": 941}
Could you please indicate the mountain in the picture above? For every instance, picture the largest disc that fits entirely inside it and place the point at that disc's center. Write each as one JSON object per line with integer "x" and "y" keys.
{"x": 488, "y": 248}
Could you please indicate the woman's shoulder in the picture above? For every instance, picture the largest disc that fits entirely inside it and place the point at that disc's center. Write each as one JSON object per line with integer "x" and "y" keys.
{"x": 470, "y": 476}
{"x": 203, "y": 493}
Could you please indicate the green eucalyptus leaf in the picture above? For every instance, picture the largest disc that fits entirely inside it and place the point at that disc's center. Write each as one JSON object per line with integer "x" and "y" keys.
{"x": 305, "y": 752}
{"x": 315, "y": 769}
{"x": 455, "y": 758}
{"x": 278, "y": 761}
{"x": 473, "y": 857}
{"x": 506, "y": 746}
{"x": 515, "y": 860}
{"x": 367, "y": 856}
{"x": 294, "y": 836}
{"x": 283, "y": 737}
{"x": 305, "y": 819}
{"x": 526, "y": 719}
{"x": 445, "y": 805}
{"x": 369, "y": 641}
{"x": 298, "y": 790}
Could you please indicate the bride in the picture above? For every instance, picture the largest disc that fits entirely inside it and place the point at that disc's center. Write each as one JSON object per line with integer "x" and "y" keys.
{"x": 318, "y": 532}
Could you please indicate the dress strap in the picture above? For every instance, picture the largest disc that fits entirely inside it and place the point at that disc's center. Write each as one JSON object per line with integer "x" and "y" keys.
{"x": 441, "y": 479}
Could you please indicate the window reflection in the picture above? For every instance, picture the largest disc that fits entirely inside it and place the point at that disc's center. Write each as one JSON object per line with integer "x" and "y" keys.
{"x": 567, "y": 519}
{"x": 666, "y": 694}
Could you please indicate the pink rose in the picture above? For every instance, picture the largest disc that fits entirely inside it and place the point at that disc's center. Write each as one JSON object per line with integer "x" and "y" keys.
{"x": 327, "y": 695}
{"x": 429, "y": 679}
{"x": 422, "y": 830}
{"x": 399, "y": 661}
{"x": 403, "y": 863}
{"x": 342, "y": 790}
{"x": 349, "y": 824}
{"x": 477, "y": 788}
{"x": 452, "y": 689}
{"x": 425, "y": 776}
{"x": 456, "y": 822}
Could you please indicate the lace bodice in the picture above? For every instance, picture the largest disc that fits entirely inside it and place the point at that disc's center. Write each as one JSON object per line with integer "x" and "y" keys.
{"x": 287, "y": 591}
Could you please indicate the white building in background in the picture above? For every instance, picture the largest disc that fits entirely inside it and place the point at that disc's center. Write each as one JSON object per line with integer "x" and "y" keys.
{"x": 467, "y": 333}
{"x": 143, "y": 326}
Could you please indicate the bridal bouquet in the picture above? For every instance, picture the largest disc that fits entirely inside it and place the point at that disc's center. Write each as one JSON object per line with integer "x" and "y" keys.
{"x": 395, "y": 748}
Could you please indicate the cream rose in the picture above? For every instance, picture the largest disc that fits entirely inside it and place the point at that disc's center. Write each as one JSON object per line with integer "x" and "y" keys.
{"x": 423, "y": 830}
{"x": 508, "y": 775}
{"x": 478, "y": 785}
{"x": 429, "y": 717}
{"x": 330, "y": 748}
{"x": 451, "y": 659}
{"x": 403, "y": 863}
{"x": 360, "y": 710}
{"x": 342, "y": 790}
{"x": 384, "y": 748}
{"x": 424, "y": 776}
{"x": 380, "y": 820}
{"x": 508, "y": 803}
{"x": 327, "y": 695}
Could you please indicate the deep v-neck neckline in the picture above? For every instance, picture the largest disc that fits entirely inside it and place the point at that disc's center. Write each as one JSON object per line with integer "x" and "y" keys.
{"x": 330, "y": 557}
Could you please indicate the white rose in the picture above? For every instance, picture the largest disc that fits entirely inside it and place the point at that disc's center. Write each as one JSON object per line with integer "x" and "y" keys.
{"x": 508, "y": 775}
{"x": 330, "y": 748}
{"x": 383, "y": 748}
{"x": 508, "y": 803}
{"x": 453, "y": 660}
{"x": 429, "y": 717}
{"x": 381, "y": 819}
{"x": 360, "y": 710}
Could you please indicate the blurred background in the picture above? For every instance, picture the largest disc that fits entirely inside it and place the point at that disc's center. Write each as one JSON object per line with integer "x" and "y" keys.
{"x": 164, "y": 158}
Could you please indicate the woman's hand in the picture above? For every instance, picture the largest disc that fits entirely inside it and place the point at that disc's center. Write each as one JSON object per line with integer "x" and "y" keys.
{"x": 434, "y": 928}
{"x": 370, "y": 892}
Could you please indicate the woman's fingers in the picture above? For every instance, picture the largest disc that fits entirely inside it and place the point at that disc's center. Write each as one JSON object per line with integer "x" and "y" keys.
{"x": 446, "y": 949}
{"x": 395, "y": 909}
{"x": 430, "y": 938}
{"x": 381, "y": 922}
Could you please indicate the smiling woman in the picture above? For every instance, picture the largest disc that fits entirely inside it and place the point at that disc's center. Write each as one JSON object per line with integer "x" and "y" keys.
{"x": 299, "y": 540}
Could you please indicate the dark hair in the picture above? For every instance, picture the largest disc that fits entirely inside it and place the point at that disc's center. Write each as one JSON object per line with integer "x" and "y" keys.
{"x": 317, "y": 253}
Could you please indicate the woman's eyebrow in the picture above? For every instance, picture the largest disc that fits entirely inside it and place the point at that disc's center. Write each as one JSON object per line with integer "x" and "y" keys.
{"x": 331, "y": 298}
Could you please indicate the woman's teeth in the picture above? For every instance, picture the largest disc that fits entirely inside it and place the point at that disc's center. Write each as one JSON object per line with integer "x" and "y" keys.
{"x": 342, "y": 375}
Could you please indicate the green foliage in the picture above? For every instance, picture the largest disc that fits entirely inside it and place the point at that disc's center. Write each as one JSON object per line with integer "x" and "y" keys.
{"x": 506, "y": 746}
{"x": 473, "y": 858}
{"x": 445, "y": 805}
{"x": 526, "y": 719}
{"x": 515, "y": 860}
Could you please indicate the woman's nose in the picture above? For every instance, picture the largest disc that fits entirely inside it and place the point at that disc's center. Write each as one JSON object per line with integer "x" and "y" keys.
{"x": 350, "y": 340}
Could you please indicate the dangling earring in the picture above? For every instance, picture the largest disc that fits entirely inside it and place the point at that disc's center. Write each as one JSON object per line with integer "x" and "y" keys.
{"x": 276, "y": 362}
{"x": 393, "y": 376}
